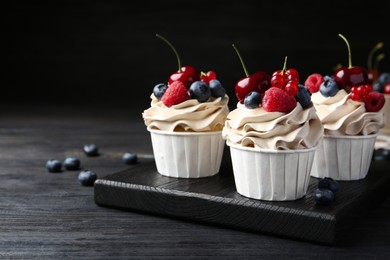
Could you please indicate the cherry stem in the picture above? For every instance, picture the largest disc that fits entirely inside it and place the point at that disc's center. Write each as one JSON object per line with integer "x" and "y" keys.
{"x": 378, "y": 59}
{"x": 242, "y": 62}
{"x": 284, "y": 66}
{"x": 174, "y": 50}
{"x": 349, "y": 51}
{"x": 371, "y": 54}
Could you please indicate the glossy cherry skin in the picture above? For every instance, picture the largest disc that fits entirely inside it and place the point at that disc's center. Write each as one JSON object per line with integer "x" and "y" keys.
{"x": 346, "y": 78}
{"x": 372, "y": 76}
{"x": 187, "y": 75}
{"x": 258, "y": 82}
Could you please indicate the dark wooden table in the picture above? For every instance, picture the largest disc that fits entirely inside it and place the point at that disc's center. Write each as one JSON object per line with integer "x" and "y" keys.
{"x": 50, "y": 215}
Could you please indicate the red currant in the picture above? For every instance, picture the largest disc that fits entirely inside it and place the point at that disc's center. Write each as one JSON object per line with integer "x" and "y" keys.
{"x": 292, "y": 87}
{"x": 354, "y": 96}
{"x": 278, "y": 81}
{"x": 292, "y": 74}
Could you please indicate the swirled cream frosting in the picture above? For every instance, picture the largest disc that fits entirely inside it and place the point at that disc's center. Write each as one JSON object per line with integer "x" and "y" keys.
{"x": 299, "y": 129}
{"x": 189, "y": 116}
{"x": 342, "y": 116}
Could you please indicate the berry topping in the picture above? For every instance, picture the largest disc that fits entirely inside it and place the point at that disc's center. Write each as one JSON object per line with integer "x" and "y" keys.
{"x": 72, "y": 163}
{"x": 87, "y": 177}
{"x": 303, "y": 96}
{"x": 175, "y": 94}
{"x": 53, "y": 165}
{"x": 216, "y": 88}
{"x": 186, "y": 74}
{"x": 374, "y": 101}
{"x": 258, "y": 81}
{"x": 159, "y": 90}
{"x": 130, "y": 158}
{"x": 323, "y": 196}
{"x": 252, "y": 100}
{"x": 347, "y": 77}
{"x": 91, "y": 150}
{"x": 286, "y": 79}
{"x": 360, "y": 93}
{"x": 207, "y": 77}
{"x": 328, "y": 88}
{"x": 384, "y": 78}
{"x": 313, "y": 82}
{"x": 386, "y": 88}
{"x": 328, "y": 183}
{"x": 200, "y": 91}
{"x": 278, "y": 100}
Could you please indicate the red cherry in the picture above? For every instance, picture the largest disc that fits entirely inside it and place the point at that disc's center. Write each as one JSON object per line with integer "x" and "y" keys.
{"x": 276, "y": 72}
{"x": 386, "y": 89}
{"x": 347, "y": 77}
{"x": 373, "y": 72}
{"x": 372, "y": 76}
{"x": 207, "y": 77}
{"x": 258, "y": 81}
{"x": 186, "y": 74}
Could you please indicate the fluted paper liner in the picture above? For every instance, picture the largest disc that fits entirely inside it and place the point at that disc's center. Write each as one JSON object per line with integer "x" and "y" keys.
{"x": 273, "y": 175}
{"x": 344, "y": 158}
{"x": 187, "y": 154}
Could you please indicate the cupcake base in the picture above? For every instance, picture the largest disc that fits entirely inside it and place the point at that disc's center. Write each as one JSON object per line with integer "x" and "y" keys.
{"x": 187, "y": 154}
{"x": 272, "y": 175}
{"x": 344, "y": 158}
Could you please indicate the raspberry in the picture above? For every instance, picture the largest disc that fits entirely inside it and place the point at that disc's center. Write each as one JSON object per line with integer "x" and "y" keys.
{"x": 313, "y": 82}
{"x": 175, "y": 94}
{"x": 374, "y": 101}
{"x": 278, "y": 100}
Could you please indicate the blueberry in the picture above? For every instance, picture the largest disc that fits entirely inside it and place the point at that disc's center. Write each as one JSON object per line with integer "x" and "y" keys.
{"x": 303, "y": 96}
{"x": 54, "y": 165}
{"x": 72, "y": 163}
{"x": 384, "y": 78}
{"x": 328, "y": 88}
{"x": 216, "y": 88}
{"x": 200, "y": 91}
{"x": 91, "y": 150}
{"x": 130, "y": 158}
{"x": 328, "y": 183}
{"x": 252, "y": 100}
{"x": 323, "y": 196}
{"x": 159, "y": 90}
{"x": 376, "y": 86}
{"x": 87, "y": 177}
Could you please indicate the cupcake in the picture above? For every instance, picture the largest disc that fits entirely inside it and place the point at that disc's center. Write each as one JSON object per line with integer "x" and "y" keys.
{"x": 185, "y": 120}
{"x": 352, "y": 115}
{"x": 272, "y": 136}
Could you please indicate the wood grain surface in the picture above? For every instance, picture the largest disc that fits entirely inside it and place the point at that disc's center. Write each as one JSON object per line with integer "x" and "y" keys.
{"x": 51, "y": 216}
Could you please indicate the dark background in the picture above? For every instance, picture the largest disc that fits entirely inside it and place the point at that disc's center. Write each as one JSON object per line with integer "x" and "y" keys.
{"x": 105, "y": 53}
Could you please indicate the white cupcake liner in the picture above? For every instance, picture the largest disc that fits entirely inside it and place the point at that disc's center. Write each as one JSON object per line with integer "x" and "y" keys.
{"x": 273, "y": 175}
{"x": 343, "y": 158}
{"x": 187, "y": 154}
{"x": 386, "y": 129}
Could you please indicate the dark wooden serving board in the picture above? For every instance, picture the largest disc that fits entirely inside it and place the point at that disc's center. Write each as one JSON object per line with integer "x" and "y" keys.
{"x": 214, "y": 200}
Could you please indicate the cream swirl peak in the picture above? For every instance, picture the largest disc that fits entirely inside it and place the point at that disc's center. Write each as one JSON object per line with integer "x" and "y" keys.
{"x": 342, "y": 116}
{"x": 189, "y": 115}
{"x": 299, "y": 129}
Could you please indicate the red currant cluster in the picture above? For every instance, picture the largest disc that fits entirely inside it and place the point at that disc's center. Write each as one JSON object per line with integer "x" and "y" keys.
{"x": 286, "y": 79}
{"x": 359, "y": 93}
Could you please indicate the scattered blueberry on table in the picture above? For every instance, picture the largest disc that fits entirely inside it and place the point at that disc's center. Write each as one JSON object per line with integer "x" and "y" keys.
{"x": 130, "y": 158}
{"x": 87, "y": 177}
{"x": 326, "y": 190}
{"x": 91, "y": 150}
{"x": 54, "y": 165}
{"x": 72, "y": 163}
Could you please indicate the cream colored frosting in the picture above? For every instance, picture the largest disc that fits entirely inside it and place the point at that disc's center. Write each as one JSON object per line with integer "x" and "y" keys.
{"x": 299, "y": 129}
{"x": 189, "y": 115}
{"x": 343, "y": 116}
